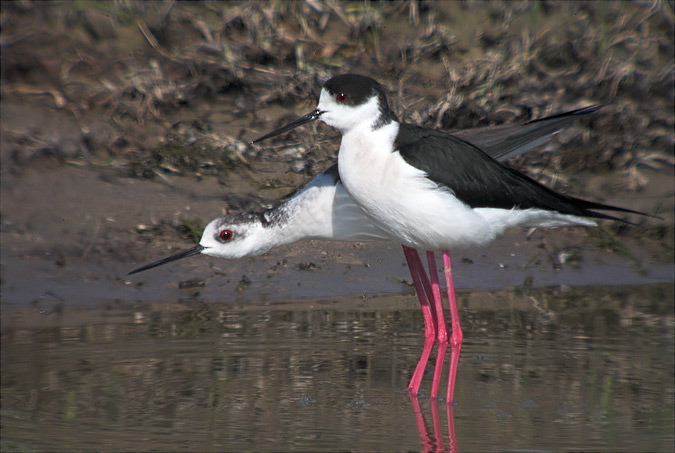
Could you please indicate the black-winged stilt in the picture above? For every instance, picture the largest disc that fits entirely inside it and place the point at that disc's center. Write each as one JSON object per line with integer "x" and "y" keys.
{"x": 432, "y": 191}
{"x": 324, "y": 210}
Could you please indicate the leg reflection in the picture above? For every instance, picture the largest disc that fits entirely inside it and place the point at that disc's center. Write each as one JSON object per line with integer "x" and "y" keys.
{"x": 427, "y": 441}
{"x": 434, "y": 440}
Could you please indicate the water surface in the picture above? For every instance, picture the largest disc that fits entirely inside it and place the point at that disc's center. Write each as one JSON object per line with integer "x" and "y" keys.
{"x": 583, "y": 368}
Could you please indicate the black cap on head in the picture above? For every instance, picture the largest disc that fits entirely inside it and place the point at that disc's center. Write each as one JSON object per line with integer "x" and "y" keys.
{"x": 359, "y": 89}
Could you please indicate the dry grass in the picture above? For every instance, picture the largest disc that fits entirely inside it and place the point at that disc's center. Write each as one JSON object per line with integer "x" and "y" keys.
{"x": 139, "y": 67}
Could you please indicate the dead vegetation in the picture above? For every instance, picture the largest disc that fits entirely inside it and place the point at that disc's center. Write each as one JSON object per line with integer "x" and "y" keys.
{"x": 180, "y": 88}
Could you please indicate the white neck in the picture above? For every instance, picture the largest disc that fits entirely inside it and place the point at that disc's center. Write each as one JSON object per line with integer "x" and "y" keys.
{"x": 321, "y": 210}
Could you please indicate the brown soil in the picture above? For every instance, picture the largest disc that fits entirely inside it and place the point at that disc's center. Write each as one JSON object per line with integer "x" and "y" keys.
{"x": 125, "y": 128}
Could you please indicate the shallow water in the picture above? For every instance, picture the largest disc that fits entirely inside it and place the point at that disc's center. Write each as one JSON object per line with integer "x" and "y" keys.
{"x": 582, "y": 368}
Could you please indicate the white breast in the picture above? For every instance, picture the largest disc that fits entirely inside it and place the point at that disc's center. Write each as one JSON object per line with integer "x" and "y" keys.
{"x": 402, "y": 201}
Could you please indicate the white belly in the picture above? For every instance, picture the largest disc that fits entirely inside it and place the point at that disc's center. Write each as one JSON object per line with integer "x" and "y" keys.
{"x": 403, "y": 202}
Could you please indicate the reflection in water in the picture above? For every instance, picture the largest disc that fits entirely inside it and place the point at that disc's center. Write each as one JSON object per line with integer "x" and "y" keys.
{"x": 586, "y": 368}
{"x": 433, "y": 440}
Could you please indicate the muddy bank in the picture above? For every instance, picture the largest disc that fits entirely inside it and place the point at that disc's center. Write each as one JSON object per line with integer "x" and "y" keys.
{"x": 78, "y": 249}
{"x": 119, "y": 140}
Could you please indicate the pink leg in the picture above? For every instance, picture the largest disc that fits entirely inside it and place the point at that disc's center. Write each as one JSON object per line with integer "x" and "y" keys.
{"x": 457, "y": 336}
{"x": 441, "y": 326}
{"x": 416, "y": 272}
{"x": 425, "y": 281}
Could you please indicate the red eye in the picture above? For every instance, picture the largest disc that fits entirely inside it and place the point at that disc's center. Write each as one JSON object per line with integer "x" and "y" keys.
{"x": 226, "y": 235}
{"x": 341, "y": 98}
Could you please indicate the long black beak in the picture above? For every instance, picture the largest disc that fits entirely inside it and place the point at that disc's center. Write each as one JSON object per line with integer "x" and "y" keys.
{"x": 312, "y": 116}
{"x": 196, "y": 250}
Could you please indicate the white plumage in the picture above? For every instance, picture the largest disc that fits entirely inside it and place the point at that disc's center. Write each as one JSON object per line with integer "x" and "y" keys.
{"x": 402, "y": 201}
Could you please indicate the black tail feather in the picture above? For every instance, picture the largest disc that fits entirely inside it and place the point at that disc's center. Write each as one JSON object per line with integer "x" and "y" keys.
{"x": 590, "y": 207}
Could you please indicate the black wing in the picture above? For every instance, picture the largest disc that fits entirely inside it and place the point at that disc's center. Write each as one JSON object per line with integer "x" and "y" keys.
{"x": 508, "y": 140}
{"x": 479, "y": 180}
{"x": 505, "y": 141}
